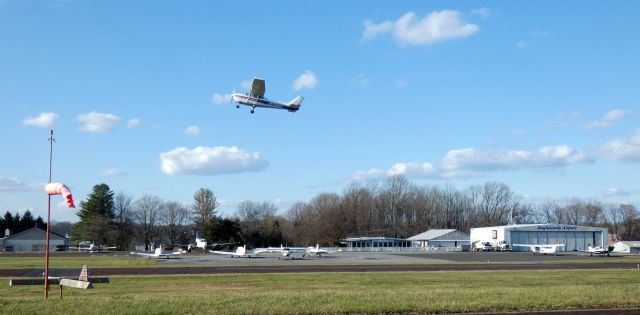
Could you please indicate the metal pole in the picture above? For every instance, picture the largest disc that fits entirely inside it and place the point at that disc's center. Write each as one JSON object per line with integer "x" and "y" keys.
{"x": 46, "y": 250}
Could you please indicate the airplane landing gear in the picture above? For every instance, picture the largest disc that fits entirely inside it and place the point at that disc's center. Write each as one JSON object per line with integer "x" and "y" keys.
{"x": 253, "y": 111}
{"x": 237, "y": 106}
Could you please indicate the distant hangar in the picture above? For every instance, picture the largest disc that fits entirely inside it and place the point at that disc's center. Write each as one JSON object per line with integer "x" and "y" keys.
{"x": 574, "y": 237}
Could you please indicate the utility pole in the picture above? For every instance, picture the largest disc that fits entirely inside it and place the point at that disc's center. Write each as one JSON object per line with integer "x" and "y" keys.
{"x": 46, "y": 250}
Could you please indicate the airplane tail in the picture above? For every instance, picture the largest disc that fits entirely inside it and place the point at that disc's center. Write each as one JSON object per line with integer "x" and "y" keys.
{"x": 242, "y": 250}
{"x": 294, "y": 105}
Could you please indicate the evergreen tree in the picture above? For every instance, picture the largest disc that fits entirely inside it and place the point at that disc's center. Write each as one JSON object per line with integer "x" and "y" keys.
{"x": 27, "y": 221}
{"x": 96, "y": 217}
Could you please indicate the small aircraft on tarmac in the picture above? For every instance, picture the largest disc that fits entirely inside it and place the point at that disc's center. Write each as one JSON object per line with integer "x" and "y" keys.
{"x": 598, "y": 250}
{"x": 91, "y": 247}
{"x": 542, "y": 249}
{"x": 240, "y": 252}
{"x": 159, "y": 253}
{"x": 255, "y": 98}
{"x": 306, "y": 252}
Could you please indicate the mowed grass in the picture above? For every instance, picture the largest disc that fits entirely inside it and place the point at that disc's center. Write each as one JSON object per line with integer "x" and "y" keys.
{"x": 74, "y": 262}
{"x": 329, "y": 293}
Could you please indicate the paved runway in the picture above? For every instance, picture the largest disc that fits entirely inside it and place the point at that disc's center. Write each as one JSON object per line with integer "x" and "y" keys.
{"x": 195, "y": 263}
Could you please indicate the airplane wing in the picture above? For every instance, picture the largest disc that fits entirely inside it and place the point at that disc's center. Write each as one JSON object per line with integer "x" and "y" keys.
{"x": 257, "y": 88}
{"x": 144, "y": 254}
{"x": 219, "y": 252}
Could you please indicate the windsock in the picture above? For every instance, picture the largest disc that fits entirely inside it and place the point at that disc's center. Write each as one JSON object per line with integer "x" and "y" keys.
{"x": 60, "y": 189}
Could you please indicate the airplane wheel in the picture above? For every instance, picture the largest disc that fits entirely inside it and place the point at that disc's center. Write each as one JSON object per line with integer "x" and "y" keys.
{"x": 237, "y": 106}
{"x": 252, "y": 111}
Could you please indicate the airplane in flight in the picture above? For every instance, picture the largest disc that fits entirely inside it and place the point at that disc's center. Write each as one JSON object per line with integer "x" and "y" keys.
{"x": 159, "y": 253}
{"x": 255, "y": 98}
{"x": 542, "y": 249}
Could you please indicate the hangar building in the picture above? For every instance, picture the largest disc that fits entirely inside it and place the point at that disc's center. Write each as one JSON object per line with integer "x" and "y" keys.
{"x": 446, "y": 238}
{"x": 573, "y": 236}
{"x": 34, "y": 240}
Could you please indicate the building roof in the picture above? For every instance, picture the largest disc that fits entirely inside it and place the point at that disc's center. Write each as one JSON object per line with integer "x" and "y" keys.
{"x": 431, "y": 234}
{"x": 631, "y": 243}
{"x": 372, "y": 238}
{"x": 33, "y": 234}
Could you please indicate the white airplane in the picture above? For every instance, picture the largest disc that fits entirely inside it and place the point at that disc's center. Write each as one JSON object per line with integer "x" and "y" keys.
{"x": 255, "y": 98}
{"x": 542, "y": 249}
{"x": 598, "y": 250}
{"x": 239, "y": 252}
{"x": 159, "y": 253}
{"x": 92, "y": 248}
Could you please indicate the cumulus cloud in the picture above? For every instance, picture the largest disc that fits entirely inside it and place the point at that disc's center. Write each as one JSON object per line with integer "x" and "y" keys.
{"x": 13, "y": 184}
{"x": 307, "y": 80}
{"x": 43, "y": 120}
{"x": 133, "y": 122}
{"x": 220, "y": 99}
{"x": 469, "y": 162}
{"x": 522, "y": 44}
{"x": 608, "y": 119}
{"x": 409, "y": 30}
{"x": 211, "y": 161}
{"x": 98, "y": 122}
{"x": 193, "y": 130}
{"x": 112, "y": 172}
{"x": 481, "y": 12}
{"x": 615, "y": 191}
{"x": 623, "y": 149}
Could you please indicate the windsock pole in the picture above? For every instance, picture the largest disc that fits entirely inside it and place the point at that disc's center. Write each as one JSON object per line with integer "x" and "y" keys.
{"x": 46, "y": 250}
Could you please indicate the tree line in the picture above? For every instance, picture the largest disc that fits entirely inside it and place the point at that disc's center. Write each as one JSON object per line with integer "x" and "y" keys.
{"x": 395, "y": 207}
{"x": 17, "y": 223}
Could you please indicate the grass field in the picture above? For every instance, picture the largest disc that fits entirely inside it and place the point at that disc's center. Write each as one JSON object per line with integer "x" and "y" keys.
{"x": 74, "y": 262}
{"x": 328, "y": 293}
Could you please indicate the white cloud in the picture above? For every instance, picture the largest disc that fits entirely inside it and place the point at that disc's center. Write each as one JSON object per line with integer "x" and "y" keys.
{"x": 133, "y": 122}
{"x": 522, "y": 44}
{"x": 608, "y": 119}
{"x": 469, "y": 162}
{"x": 211, "y": 161}
{"x": 112, "y": 172}
{"x": 193, "y": 130}
{"x": 13, "y": 184}
{"x": 614, "y": 191}
{"x": 435, "y": 27}
{"x": 98, "y": 122}
{"x": 362, "y": 80}
{"x": 623, "y": 149}
{"x": 481, "y": 12}
{"x": 245, "y": 84}
{"x": 401, "y": 83}
{"x": 220, "y": 99}
{"x": 307, "y": 80}
{"x": 43, "y": 120}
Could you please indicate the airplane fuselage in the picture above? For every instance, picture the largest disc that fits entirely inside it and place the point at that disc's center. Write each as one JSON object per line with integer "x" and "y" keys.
{"x": 258, "y": 102}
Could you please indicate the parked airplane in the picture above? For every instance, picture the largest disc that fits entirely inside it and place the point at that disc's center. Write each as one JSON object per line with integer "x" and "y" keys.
{"x": 306, "y": 252}
{"x": 239, "y": 252}
{"x": 91, "y": 247}
{"x": 598, "y": 250}
{"x": 542, "y": 249}
{"x": 255, "y": 98}
{"x": 159, "y": 253}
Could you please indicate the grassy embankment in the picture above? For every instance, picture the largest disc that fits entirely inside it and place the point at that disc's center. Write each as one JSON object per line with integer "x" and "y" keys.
{"x": 321, "y": 293}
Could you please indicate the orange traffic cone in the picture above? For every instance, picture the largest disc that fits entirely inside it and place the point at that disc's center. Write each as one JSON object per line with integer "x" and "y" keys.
{"x": 84, "y": 275}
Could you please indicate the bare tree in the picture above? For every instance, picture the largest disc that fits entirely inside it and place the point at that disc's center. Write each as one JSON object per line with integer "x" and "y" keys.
{"x": 205, "y": 204}
{"x": 630, "y": 221}
{"x": 174, "y": 216}
{"x": 123, "y": 210}
{"x": 146, "y": 213}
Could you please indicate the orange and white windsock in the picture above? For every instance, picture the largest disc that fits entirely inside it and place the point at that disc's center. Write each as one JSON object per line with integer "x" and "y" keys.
{"x": 60, "y": 189}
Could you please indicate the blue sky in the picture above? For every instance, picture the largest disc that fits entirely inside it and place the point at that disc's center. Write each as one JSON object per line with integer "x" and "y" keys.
{"x": 542, "y": 97}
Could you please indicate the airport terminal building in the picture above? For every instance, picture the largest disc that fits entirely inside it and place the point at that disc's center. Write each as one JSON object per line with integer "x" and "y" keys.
{"x": 573, "y": 236}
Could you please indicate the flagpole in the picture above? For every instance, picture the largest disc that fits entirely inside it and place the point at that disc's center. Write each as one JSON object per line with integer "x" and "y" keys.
{"x": 46, "y": 250}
